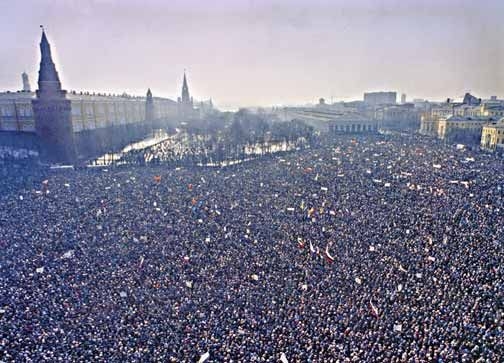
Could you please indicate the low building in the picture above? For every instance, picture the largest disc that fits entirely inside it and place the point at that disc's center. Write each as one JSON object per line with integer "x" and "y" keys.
{"x": 492, "y": 110}
{"x": 462, "y": 129}
{"x": 380, "y": 98}
{"x": 398, "y": 117}
{"x": 352, "y": 124}
{"x": 465, "y": 110}
{"x": 429, "y": 121}
{"x": 335, "y": 122}
{"x": 492, "y": 136}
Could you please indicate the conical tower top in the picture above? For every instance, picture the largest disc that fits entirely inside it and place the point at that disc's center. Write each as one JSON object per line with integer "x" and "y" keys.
{"x": 185, "y": 90}
{"x": 48, "y": 81}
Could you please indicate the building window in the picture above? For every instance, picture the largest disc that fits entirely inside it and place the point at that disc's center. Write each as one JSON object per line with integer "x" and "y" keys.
{"x": 7, "y": 111}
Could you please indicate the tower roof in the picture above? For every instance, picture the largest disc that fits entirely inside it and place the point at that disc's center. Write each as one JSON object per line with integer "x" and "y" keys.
{"x": 48, "y": 81}
{"x": 185, "y": 90}
{"x": 149, "y": 96}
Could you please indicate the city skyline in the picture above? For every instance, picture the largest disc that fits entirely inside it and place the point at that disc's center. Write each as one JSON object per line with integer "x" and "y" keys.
{"x": 259, "y": 53}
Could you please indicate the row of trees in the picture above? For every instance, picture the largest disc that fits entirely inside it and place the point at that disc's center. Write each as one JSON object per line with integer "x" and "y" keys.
{"x": 229, "y": 135}
{"x": 224, "y": 136}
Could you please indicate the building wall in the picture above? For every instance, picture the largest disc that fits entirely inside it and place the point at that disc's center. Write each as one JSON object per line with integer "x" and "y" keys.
{"x": 467, "y": 132}
{"x": 380, "y": 98}
{"x": 100, "y": 123}
{"x": 353, "y": 127}
{"x": 400, "y": 117}
{"x": 429, "y": 121}
{"x": 491, "y": 136}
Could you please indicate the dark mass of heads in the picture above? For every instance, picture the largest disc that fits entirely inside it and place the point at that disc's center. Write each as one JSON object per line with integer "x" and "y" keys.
{"x": 378, "y": 248}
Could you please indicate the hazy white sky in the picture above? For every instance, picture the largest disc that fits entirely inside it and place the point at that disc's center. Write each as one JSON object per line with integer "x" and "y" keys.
{"x": 244, "y": 53}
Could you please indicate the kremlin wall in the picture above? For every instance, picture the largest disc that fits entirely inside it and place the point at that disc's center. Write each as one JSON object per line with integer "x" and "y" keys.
{"x": 65, "y": 127}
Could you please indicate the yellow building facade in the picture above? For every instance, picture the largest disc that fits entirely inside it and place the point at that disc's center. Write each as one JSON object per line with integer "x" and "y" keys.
{"x": 492, "y": 135}
{"x": 466, "y": 130}
{"x": 89, "y": 112}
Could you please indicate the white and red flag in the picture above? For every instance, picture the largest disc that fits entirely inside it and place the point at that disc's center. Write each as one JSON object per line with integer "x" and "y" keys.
{"x": 328, "y": 256}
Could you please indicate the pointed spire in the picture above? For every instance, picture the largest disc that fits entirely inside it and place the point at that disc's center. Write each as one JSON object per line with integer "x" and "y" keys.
{"x": 45, "y": 48}
{"x": 185, "y": 90}
{"x": 185, "y": 81}
{"x": 149, "y": 93}
{"x": 48, "y": 82}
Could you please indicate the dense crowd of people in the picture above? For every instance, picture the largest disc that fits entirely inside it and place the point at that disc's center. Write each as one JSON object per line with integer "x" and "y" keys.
{"x": 378, "y": 248}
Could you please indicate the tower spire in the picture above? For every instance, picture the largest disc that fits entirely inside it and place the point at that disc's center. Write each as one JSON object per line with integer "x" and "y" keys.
{"x": 48, "y": 82}
{"x": 52, "y": 112}
{"x": 185, "y": 90}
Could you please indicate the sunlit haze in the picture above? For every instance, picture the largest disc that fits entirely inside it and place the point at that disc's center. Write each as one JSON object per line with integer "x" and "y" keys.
{"x": 246, "y": 53}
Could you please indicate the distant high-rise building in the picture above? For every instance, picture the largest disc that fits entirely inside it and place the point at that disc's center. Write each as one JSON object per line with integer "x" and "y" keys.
{"x": 26, "y": 82}
{"x": 380, "y": 98}
{"x": 403, "y": 98}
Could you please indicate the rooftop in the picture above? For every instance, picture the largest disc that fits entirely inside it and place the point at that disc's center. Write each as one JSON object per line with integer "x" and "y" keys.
{"x": 471, "y": 118}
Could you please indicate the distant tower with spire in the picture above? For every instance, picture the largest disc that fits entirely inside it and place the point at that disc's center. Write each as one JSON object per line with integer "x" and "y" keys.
{"x": 26, "y": 82}
{"x": 52, "y": 111}
{"x": 185, "y": 103}
{"x": 149, "y": 109}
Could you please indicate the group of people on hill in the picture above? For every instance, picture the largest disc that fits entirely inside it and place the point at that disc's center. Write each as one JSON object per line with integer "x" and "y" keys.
{"x": 377, "y": 248}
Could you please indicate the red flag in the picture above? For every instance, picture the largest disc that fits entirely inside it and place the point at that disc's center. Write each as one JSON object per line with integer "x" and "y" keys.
{"x": 328, "y": 256}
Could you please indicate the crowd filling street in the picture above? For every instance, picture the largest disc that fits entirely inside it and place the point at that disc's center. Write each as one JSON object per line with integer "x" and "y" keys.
{"x": 378, "y": 248}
